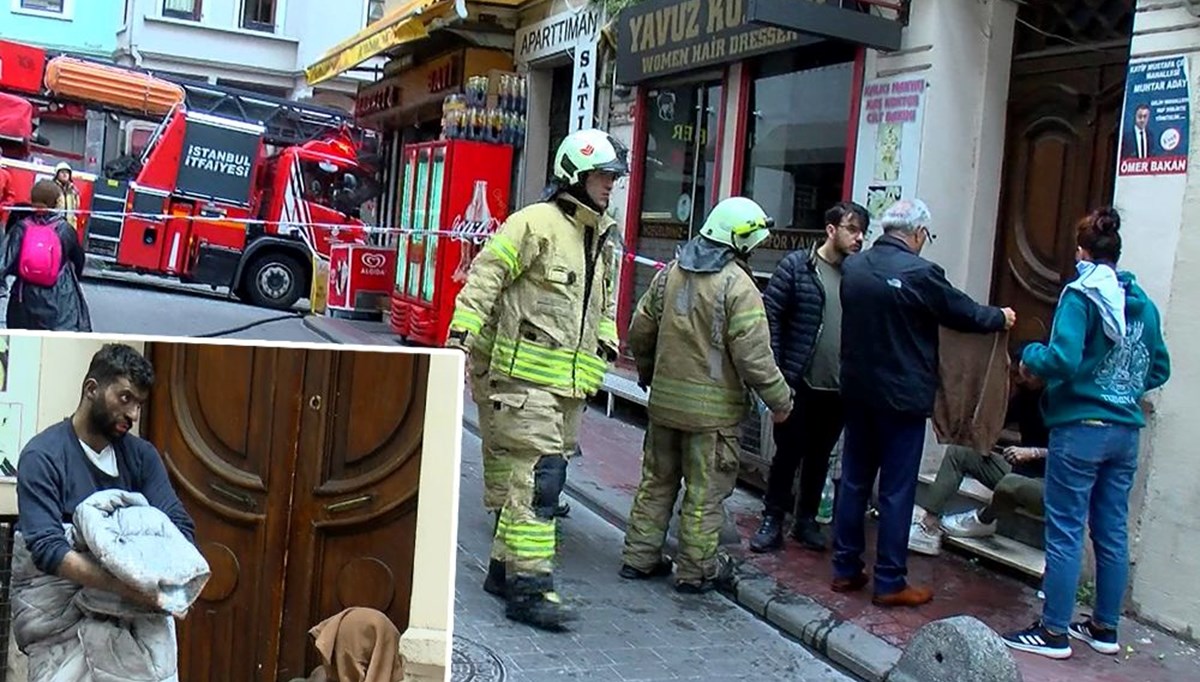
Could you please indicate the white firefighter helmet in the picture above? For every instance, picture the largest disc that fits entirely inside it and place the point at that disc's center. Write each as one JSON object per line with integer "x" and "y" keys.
{"x": 63, "y": 166}
{"x": 739, "y": 223}
{"x": 585, "y": 151}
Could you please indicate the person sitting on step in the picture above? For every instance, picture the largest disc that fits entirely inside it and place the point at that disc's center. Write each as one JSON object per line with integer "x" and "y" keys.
{"x": 1016, "y": 479}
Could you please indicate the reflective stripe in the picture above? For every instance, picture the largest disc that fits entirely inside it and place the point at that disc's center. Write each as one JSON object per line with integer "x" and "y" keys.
{"x": 745, "y": 320}
{"x": 506, "y": 251}
{"x": 465, "y": 319}
{"x": 532, "y": 540}
{"x": 607, "y": 330}
{"x": 558, "y": 367}
{"x": 699, "y": 399}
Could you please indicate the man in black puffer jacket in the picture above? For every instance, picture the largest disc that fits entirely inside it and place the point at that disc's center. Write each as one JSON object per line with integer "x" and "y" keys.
{"x": 805, "y": 311}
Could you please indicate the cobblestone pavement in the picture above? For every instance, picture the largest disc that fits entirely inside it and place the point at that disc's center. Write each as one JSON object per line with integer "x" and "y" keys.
{"x": 626, "y": 631}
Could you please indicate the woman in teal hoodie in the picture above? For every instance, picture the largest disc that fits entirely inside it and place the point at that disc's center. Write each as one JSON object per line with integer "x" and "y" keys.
{"x": 1106, "y": 350}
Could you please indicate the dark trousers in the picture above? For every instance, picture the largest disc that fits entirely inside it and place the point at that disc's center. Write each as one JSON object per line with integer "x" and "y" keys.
{"x": 890, "y": 445}
{"x": 803, "y": 442}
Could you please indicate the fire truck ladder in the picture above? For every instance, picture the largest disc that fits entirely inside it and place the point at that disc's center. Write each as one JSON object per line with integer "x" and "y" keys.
{"x": 286, "y": 122}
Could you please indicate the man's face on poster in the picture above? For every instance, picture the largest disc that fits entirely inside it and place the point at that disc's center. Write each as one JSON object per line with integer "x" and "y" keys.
{"x": 1141, "y": 117}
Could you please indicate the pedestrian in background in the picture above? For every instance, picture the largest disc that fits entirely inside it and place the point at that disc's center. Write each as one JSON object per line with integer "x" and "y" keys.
{"x": 804, "y": 310}
{"x": 700, "y": 339}
{"x": 893, "y": 302}
{"x": 68, "y": 200}
{"x": 43, "y": 254}
{"x": 1106, "y": 350}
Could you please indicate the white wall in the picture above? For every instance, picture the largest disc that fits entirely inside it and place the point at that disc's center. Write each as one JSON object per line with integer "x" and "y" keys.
{"x": 426, "y": 644}
{"x": 60, "y": 363}
{"x": 1167, "y": 258}
{"x": 216, "y": 47}
{"x": 964, "y": 52}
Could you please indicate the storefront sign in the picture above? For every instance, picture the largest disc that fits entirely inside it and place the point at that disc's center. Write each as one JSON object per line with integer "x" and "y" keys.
{"x": 427, "y": 82}
{"x": 1154, "y": 132}
{"x": 21, "y": 67}
{"x": 583, "y": 92}
{"x": 557, "y": 34}
{"x": 890, "y": 128}
{"x": 661, "y": 37}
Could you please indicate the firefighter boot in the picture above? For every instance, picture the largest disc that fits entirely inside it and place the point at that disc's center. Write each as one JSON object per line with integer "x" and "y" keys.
{"x": 531, "y": 600}
{"x": 723, "y": 578}
{"x": 494, "y": 583}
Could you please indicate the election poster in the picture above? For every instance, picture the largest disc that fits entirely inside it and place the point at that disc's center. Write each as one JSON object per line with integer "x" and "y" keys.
{"x": 1154, "y": 128}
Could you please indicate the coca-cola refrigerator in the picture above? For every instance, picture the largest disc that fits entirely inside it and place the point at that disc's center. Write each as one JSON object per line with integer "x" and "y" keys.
{"x": 455, "y": 195}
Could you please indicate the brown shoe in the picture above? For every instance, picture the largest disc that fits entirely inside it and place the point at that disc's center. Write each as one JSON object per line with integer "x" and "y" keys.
{"x": 909, "y": 596}
{"x": 853, "y": 584}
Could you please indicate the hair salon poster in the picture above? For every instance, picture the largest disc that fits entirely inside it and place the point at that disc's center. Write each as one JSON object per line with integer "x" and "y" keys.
{"x": 1154, "y": 129}
{"x": 888, "y": 156}
{"x": 20, "y": 359}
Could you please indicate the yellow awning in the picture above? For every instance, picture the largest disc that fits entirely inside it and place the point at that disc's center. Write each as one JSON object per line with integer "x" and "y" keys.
{"x": 408, "y": 22}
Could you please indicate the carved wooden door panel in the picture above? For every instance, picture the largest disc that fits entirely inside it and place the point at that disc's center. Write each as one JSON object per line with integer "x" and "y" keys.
{"x": 225, "y": 419}
{"x": 301, "y": 470}
{"x": 355, "y": 511}
{"x": 1060, "y": 162}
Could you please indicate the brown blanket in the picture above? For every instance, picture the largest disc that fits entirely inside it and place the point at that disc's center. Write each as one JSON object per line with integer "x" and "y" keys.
{"x": 358, "y": 645}
{"x": 972, "y": 397}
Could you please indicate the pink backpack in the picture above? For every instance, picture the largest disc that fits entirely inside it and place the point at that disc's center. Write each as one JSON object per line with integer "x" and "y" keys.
{"x": 41, "y": 254}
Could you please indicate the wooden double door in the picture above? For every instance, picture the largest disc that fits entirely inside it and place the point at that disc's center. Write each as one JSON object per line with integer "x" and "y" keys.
{"x": 1062, "y": 133}
{"x": 301, "y": 470}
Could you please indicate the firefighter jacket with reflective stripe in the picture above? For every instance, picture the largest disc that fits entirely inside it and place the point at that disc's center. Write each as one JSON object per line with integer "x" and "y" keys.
{"x": 701, "y": 340}
{"x": 548, "y": 280}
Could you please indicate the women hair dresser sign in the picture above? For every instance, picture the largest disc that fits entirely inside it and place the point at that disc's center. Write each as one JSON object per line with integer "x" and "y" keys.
{"x": 20, "y": 360}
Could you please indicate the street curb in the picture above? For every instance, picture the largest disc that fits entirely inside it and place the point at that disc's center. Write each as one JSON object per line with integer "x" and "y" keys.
{"x": 336, "y": 331}
{"x": 846, "y": 644}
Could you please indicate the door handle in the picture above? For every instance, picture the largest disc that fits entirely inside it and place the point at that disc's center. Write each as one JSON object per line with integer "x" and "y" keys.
{"x": 231, "y": 494}
{"x": 347, "y": 505}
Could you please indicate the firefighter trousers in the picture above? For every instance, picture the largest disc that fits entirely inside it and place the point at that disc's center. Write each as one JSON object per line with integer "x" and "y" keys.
{"x": 532, "y": 432}
{"x": 706, "y": 464}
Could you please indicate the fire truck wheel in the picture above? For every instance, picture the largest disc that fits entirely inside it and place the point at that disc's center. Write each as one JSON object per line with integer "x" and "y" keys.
{"x": 274, "y": 280}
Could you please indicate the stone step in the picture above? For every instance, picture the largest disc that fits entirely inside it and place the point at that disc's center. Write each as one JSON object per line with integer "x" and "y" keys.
{"x": 1004, "y": 550}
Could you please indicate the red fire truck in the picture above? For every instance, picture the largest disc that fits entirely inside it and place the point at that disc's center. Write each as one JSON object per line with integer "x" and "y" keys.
{"x": 234, "y": 189}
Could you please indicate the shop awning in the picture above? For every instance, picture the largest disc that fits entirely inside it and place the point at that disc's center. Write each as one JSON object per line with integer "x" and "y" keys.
{"x": 408, "y": 22}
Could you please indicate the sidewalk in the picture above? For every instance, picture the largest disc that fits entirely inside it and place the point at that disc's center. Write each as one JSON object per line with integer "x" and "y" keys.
{"x": 791, "y": 588}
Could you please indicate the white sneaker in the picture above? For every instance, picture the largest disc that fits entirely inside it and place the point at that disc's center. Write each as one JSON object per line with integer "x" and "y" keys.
{"x": 967, "y": 525}
{"x": 923, "y": 541}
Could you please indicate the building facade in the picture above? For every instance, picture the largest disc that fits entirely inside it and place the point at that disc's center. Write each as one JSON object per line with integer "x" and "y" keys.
{"x": 256, "y": 45}
{"x": 80, "y": 28}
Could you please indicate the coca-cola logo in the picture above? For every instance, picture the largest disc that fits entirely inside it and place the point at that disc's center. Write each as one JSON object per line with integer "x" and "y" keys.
{"x": 476, "y": 232}
{"x": 374, "y": 260}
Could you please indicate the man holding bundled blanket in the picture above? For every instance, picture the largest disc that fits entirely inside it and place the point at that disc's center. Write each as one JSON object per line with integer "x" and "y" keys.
{"x": 104, "y": 548}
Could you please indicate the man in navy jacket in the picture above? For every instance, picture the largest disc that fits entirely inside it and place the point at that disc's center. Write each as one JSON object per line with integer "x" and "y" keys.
{"x": 893, "y": 303}
{"x": 88, "y": 452}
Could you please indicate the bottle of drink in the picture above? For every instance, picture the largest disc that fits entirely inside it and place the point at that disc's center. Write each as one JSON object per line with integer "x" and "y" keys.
{"x": 825, "y": 510}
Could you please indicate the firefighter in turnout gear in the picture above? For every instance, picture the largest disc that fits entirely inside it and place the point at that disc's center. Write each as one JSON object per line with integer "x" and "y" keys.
{"x": 700, "y": 339}
{"x": 540, "y": 305}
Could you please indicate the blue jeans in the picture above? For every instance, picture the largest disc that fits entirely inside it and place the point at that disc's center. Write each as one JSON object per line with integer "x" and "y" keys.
{"x": 890, "y": 445}
{"x": 1089, "y": 474}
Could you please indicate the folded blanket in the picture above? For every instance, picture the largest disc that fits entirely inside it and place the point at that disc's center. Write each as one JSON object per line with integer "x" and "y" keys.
{"x": 87, "y": 635}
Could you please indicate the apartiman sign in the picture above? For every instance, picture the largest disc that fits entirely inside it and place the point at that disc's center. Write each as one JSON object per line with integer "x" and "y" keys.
{"x": 560, "y": 33}
{"x": 574, "y": 33}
